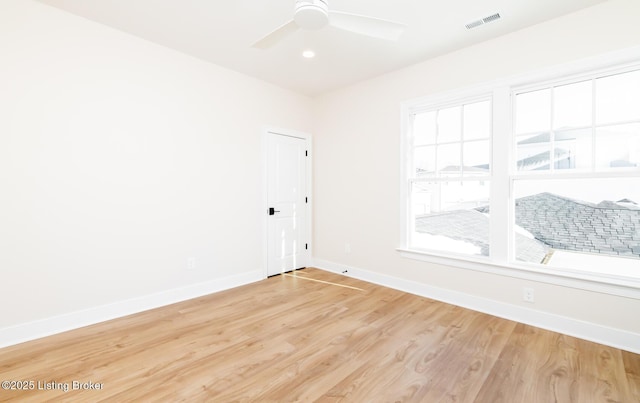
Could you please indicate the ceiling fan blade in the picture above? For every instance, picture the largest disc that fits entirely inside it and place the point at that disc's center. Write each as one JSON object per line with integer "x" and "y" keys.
{"x": 369, "y": 26}
{"x": 276, "y": 36}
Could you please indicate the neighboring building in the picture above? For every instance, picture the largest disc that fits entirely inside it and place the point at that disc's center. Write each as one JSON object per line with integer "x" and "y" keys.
{"x": 534, "y": 154}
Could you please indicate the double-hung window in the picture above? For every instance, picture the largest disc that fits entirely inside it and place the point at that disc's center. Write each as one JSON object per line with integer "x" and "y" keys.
{"x": 576, "y": 188}
{"x": 450, "y": 177}
{"x": 544, "y": 175}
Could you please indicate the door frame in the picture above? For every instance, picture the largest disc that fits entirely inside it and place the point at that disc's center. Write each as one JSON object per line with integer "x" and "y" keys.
{"x": 307, "y": 137}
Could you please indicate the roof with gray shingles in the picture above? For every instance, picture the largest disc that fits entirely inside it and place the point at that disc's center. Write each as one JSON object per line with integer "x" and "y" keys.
{"x": 610, "y": 228}
{"x": 472, "y": 226}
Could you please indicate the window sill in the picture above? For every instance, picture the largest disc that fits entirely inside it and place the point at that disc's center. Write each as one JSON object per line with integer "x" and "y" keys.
{"x": 610, "y": 284}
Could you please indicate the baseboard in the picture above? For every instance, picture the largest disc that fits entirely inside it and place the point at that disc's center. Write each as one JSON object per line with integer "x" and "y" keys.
{"x": 572, "y": 327}
{"x": 46, "y": 327}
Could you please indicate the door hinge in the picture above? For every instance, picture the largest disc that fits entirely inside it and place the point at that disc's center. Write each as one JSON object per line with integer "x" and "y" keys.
{"x": 306, "y": 153}
{"x": 306, "y": 200}
{"x": 306, "y": 246}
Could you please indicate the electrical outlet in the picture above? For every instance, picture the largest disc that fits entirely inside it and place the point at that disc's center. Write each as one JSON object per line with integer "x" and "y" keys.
{"x": 527, "y": 295}
{"x": 191, "y": 263}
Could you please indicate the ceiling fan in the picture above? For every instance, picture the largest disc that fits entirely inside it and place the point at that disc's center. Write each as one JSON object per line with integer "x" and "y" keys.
{"x": 315, "y": 14}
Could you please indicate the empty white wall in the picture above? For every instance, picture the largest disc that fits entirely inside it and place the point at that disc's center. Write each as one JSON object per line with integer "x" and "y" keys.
{"x": 119, "y": 160}
{"x": 357, "y": 160}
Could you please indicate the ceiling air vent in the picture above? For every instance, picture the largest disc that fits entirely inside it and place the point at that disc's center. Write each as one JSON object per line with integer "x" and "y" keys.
{"x": 491, "y": 18}
{"x": 483, "y": 21}
{"x": 474, "y": 24}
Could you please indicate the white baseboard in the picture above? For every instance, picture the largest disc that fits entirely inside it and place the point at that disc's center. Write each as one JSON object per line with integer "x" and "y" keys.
{"x": 572, "y": 327}
{"x": 46, "y": 327}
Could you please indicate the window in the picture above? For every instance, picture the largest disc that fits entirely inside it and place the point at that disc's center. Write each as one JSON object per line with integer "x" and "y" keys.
{"x": 450, "y": 178}
{"x": 576, "y": 191}
{"x": 544, "y": 176}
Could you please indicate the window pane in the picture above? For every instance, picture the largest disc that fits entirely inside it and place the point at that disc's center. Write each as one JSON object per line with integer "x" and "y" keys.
{"x": 424, "y": 128}
{"x": 573, "y": 149}
{"x": 450, "y": 216}
{"x": 585, "y": 224}
{"x": 476, "y": 156}
{"x": 425, "y": 161}
{"x": 533, "y": 111}
{"x": 422, "y": 198}
{"x": 477, "y": 120}
{"x": 533, "y": 152}
{"x": 572, "y": 105}
{"x": 449, "y": 159}
{"x": 449, "y": 125}
{"x": 618, "y": 146}
{"x": 464, "y": 195}
{"x": 618, "y": 98}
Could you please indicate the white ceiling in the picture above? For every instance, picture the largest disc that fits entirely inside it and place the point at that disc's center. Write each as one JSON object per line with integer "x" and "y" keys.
{"x": 222, "y": 32}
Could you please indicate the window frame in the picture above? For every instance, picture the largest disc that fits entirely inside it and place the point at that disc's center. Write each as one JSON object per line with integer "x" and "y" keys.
{"x": 503, "y": 174}
{"x": 413, "y": 179}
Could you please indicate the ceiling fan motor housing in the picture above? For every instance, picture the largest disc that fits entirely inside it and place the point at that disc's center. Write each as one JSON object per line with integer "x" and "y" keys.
{"x": 311, "y": 14}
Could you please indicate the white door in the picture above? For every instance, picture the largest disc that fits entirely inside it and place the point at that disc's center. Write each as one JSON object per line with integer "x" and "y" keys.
{"x": 287, "y": 245}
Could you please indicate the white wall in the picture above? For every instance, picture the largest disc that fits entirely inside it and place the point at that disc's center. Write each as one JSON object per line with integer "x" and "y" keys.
{"x": 357, "y": 161}
{"x": 119, "y": 160}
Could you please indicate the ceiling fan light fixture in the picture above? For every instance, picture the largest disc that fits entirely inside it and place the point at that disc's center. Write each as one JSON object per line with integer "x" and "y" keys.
{"x": 311, "y": 14}
{"x": 315, "y": 14}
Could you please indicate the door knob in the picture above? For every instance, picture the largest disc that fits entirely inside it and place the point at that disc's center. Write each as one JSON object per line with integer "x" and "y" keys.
{"x": 272, "y": 211}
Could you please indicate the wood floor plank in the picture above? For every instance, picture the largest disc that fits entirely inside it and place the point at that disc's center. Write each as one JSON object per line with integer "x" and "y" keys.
{"x": 603, "y": 369}
{"x": 327, "y": 350}
{"x": 318, "y": 336}
{"x": 530, "y": 368}
{"x": 398, "y": 343}
{"x": 632, "y": 368}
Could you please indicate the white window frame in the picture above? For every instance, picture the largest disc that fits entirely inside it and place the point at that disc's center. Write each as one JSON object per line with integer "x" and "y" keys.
{"x": 503, "y": 176}
{"x": 470, "y": 99}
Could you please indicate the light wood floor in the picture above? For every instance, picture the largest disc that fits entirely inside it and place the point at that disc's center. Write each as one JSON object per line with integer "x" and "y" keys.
{"x": 299, "y": 337}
